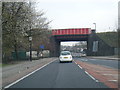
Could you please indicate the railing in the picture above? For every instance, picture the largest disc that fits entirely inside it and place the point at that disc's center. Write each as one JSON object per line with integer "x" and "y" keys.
{"x": 71, "y": 31}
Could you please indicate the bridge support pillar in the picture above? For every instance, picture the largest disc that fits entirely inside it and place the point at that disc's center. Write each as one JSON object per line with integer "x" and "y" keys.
{"x": 55, "y": 47}
{"x": 98, "y": 47}
{"x": 91, "y": 39}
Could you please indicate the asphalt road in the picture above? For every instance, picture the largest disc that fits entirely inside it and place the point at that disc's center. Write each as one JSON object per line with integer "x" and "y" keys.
{"x": 59, "y": 75}
{"x": 107, "y": 63}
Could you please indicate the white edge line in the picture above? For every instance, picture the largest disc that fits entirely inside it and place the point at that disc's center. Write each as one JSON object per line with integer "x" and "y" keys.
{"x": 79, "y": 66}
{"x": 108, "y": 74}
{"x": 91, "y": 76}
{"x": 27, "y": 75}
{"x": 113, "y": 80}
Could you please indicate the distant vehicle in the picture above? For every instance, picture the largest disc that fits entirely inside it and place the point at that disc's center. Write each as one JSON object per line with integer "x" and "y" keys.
{"x": 75, "y": 54}
{"x": 65, "y": 56}
{"x": 34, "y": 54}
{"x": 82, "y": 54}
{"x": 44, "y": 53}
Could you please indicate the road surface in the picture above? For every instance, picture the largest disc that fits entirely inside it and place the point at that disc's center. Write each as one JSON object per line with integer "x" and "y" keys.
{"x": 104, "y": 62}
{"x": 59, "y": 75}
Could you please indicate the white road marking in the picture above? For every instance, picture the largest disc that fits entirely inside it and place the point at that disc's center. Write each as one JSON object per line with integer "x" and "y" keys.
{"x": 75, "y": 62}
{"x": 87, "y": 73}
{"x": 27, "y": 75}
{"x": 91, "y": 76}
{"x": 107, "y": 74}
{"x": 113, "y": 80}
{"x": 79, "y": 66}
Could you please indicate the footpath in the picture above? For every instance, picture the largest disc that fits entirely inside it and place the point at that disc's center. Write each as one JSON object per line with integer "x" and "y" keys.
{"x": 16, "y": 71}
{"x": 104, "y": 57}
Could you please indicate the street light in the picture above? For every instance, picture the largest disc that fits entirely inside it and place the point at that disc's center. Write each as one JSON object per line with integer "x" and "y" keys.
{"x": 95, "y": 26}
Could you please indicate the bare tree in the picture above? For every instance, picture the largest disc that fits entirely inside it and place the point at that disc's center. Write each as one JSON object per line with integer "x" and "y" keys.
{"x": 18, "y": 18}
{"x": 13, "y": 16}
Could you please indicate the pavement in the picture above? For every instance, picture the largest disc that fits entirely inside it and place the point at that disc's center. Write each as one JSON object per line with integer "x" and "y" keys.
{"x": 17, "y": 70}
{"x": 104, "y": 57}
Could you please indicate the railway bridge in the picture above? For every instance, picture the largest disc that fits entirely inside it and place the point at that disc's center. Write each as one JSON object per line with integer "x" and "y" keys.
{"x": 74, "y": 34}
{"x": 95, "y": 45}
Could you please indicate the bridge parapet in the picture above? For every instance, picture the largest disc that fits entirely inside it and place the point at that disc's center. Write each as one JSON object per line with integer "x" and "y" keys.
{"x": 74, "y": 31}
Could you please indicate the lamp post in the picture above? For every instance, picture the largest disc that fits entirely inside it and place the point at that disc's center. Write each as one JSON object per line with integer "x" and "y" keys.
{"x": 95, "y": 26}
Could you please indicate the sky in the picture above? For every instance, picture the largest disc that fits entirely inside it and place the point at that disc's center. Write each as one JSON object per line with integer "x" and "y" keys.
{"x": 81, "y": 13}
{"x": 119, "y": 16}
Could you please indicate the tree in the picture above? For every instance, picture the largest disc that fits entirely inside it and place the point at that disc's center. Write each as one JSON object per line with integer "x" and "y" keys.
{"x": 13, "y": 20}
{"x": 39, "y": 30}
{"x": 18, "y": 18}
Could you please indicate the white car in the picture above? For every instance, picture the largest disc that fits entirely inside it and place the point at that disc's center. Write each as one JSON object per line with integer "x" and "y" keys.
{"x": 65, "y": 56}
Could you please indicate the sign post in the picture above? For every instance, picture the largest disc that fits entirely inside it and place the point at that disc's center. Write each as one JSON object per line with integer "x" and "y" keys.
{"x": 30, "y": 40}
{"x": 41, "y": 46}
{"x": 41, "y": 49}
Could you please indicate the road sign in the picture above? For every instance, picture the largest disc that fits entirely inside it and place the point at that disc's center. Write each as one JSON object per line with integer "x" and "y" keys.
{"x": 41, "y": 46}
{"x": 95, "y": 46}
{"x": 30, "y": 38}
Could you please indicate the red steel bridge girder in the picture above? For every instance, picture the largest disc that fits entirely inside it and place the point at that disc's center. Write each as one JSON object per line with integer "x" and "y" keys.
{"x": 78, "y": 31}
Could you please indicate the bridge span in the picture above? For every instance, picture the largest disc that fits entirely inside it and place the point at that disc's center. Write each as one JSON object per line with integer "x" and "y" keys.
{"x": 95, "y": 45}
{"x": 73, "y": 34}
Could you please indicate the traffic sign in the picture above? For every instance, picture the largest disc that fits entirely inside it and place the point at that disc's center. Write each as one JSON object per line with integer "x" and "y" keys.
{"x": 41, "y": 46}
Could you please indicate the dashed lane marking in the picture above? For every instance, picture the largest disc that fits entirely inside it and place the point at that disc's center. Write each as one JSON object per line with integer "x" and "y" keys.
{"x": 91, "y": 76}
{"x": 75, "y": 62}
{"x": 87, "y": 73}
{"x": 79, "y": 66}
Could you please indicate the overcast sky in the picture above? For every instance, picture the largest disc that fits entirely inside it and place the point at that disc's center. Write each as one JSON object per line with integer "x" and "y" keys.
{"x": 80, "y": 13}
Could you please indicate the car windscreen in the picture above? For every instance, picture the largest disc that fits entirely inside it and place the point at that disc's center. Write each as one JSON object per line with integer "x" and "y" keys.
{"x": 65, "y": 53}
